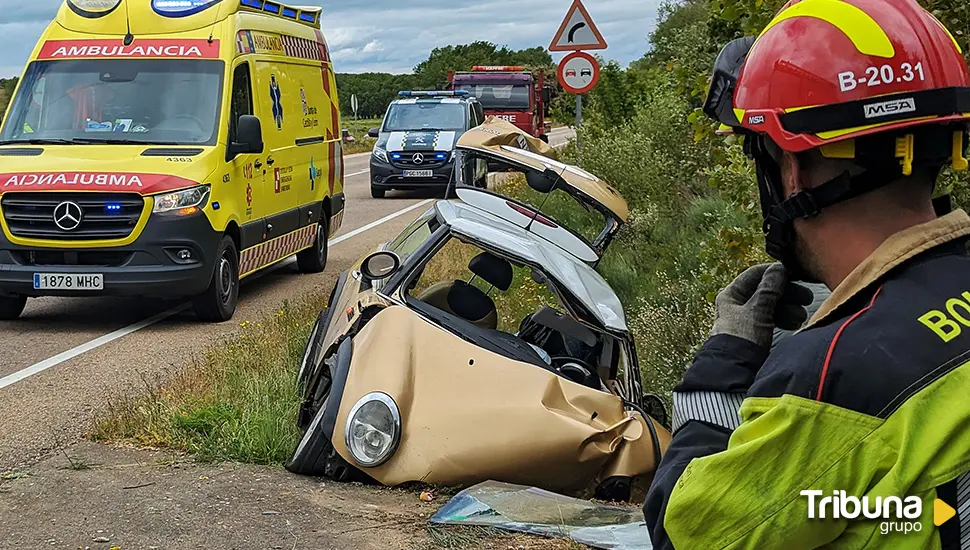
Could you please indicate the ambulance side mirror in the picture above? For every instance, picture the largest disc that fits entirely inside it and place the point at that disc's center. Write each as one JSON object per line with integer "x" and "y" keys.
{"x": 249, "y": 137}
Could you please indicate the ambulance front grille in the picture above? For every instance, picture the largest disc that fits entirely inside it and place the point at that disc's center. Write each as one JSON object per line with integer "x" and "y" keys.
{"x": 104, "y": 216}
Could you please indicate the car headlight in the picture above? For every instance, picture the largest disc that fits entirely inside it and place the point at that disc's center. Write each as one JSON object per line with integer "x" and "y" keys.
{"x": 373, "y": 429}
{"x": 186, "y": 201}
{"x": 380, "y": 154}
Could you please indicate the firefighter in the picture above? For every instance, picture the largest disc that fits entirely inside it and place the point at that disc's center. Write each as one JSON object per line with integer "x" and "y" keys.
{"x": 850, "y": 109}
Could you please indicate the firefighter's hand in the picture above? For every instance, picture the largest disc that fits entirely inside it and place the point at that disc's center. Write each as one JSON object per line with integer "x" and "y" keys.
{"x": 747, "y": 307}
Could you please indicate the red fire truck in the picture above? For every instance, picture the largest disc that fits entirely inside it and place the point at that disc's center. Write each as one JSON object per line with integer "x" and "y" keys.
{"x": 509, "y": 92}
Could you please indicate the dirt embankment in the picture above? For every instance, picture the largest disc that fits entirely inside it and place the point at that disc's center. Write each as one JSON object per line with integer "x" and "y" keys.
{"x": 99, "y": 497}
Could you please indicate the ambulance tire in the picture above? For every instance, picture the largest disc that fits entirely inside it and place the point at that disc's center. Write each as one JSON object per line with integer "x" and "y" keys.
{"x": 377, "y": 193}
{"x": 314, "y": 259}
{"x": 11, "y": 307}
{"x": 218, "y": 302}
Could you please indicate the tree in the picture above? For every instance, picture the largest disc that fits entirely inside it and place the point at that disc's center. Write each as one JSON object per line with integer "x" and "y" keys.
{"x": 433, "y": 72}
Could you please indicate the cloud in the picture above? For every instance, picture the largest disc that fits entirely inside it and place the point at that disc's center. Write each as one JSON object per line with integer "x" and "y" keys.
{"x": 394, "y": 36}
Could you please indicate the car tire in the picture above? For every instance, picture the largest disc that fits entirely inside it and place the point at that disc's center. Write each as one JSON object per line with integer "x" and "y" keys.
{"x": 544, "y": 138}
{"x": 11, "y": 307}
{"x": 218, "y": 303}
{"x": 377, "y": 193}
{"x": 314, "y": 259}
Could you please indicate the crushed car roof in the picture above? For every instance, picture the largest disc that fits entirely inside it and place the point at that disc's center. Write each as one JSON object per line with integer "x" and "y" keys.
{"x": 575, "y": 276}
{"x": 503, "y": 139}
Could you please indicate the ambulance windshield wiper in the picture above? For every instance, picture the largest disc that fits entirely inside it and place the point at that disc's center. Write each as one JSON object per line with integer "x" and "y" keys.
{"x": 38, "y": 142}
{"x": 105, "y": 141}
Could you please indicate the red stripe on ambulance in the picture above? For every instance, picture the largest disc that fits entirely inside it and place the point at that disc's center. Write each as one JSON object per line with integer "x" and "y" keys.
{"x": 143, "y": 184}
{"x": 81, "y": 49}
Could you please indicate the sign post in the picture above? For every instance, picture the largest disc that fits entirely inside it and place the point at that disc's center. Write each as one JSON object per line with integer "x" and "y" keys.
{"x": 578, "y": 72}
{"x": 353, "y": 106}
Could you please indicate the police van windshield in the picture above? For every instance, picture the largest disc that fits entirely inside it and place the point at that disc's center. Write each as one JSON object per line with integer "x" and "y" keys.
{"x": 498, "y": 96}
{"x": 161, "y": 101}
{"x": 430, "y": 115}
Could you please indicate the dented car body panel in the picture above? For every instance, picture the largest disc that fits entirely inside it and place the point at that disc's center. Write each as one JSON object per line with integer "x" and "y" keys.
{"x": 404, "y": 383}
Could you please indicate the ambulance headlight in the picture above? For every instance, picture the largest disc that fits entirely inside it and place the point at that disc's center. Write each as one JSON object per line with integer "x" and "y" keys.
{"x": 373, "y": 429}
{"x": 380, "y": 154}
{"x": 184, "y": 202}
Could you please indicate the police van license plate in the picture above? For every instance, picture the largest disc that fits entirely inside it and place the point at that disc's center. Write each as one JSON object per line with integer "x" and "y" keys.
{"x": 68, "y": 281}
{"x": 418, "y": 173}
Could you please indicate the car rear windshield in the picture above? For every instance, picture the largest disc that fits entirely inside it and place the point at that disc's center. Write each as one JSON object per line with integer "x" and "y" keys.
{"x": 429, "y": 116}
{"x": 116, "y": 101}
{"x": 499, "y": 96}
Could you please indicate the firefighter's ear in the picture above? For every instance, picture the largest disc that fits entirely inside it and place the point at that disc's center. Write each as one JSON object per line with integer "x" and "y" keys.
{"x": 792, "y": 174}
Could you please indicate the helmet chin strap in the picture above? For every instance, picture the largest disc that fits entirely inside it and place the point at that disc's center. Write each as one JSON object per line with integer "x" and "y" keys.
{"x": 780, "y": 214}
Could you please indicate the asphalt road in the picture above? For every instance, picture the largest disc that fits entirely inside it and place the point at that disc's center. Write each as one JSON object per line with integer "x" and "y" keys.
{"x": 65, "y": 357}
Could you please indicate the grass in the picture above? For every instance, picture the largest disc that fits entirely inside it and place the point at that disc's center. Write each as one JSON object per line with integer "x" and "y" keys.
{"x": 362, "y": 143}
{"x": 237, "y": 402}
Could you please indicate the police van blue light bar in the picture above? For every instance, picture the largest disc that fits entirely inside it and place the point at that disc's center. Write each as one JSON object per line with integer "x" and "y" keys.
{"x": 181, "y": 8}
{"x": 432, "y": 93}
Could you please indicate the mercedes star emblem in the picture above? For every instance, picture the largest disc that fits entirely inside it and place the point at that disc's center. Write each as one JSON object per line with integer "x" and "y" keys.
{"x": 67, "y": 215}
{"x": 418, "y": 158}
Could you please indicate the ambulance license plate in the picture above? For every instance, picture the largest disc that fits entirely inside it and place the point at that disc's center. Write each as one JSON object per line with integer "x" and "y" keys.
{"x": 418, "y": 173}
{"x": 68, "y": 281}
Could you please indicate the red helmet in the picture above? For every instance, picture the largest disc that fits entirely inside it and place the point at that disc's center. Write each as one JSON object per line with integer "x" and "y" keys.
{"x": 825, "y": 71}
{"x": 878, "y": 81}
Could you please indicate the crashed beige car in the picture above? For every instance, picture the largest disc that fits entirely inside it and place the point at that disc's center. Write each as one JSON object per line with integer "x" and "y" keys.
{"x": 482, "y": 344}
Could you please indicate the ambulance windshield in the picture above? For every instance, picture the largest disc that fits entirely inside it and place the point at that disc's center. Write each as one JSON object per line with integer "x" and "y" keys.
{"x": 146, "y": 101}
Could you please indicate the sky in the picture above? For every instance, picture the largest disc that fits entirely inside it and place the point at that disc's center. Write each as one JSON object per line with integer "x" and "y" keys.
{"x": 395, "y": 35}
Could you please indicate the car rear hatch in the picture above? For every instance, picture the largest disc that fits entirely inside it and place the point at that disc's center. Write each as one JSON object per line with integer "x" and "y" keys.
{"x": 499, "y": 140}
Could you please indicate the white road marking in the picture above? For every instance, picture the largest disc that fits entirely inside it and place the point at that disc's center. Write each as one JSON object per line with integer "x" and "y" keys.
{"x": 112, "y": 336}
{"x": 356, "y": 173}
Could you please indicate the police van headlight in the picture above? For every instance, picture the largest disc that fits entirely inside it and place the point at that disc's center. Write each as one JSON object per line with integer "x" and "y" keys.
{"x": 184, "y": 202}
{"x": 373, "y": 429}
{"x": 380, "y": 154}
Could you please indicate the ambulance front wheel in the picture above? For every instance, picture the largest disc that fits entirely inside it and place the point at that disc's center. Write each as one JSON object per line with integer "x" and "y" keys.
{"x": 218, "y": 302}
{"x": 11, "y": 307}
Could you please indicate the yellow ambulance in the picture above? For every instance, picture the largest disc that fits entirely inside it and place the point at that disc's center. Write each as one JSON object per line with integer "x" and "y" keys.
{"x": 169, "y": 148}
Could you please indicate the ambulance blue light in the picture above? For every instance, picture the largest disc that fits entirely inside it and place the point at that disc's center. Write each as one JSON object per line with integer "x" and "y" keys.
{"x": 181, "y": 8}
{"x": 291, "y": 13}
{"x": 271, "y": 7}
{"x": 308, "y": 17}
{"x": 112, "y": 207}
{"x": 258, "y": 4}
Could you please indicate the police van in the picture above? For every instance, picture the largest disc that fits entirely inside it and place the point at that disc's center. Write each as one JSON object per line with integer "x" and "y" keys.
{"x": 416, "y": 141}
{"x": 169, "y": 148}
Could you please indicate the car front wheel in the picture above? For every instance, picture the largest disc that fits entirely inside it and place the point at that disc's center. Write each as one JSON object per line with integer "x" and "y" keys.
{"x": 377, "y": 193}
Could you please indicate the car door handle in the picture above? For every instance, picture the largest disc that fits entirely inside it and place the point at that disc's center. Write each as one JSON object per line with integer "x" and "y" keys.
{"x": 258, "y": 164}
{"x": 270, "y": 161}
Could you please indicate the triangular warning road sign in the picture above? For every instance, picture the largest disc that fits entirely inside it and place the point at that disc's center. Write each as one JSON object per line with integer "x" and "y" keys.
{"x": 577, "y": 32}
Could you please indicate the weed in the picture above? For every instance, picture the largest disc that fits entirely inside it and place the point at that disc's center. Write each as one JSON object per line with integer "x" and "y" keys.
{"x": 237, "y": 402}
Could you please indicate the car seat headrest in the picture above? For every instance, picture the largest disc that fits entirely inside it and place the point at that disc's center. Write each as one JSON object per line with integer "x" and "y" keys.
{"x": 469, "y": 302}
{"x": 493, "y": 270}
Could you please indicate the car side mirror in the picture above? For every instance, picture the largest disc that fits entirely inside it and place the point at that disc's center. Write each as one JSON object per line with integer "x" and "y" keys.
{"x": 380, "y": 265}
{"x": 374, "y": 132}
{"x": 249, "y": 137}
